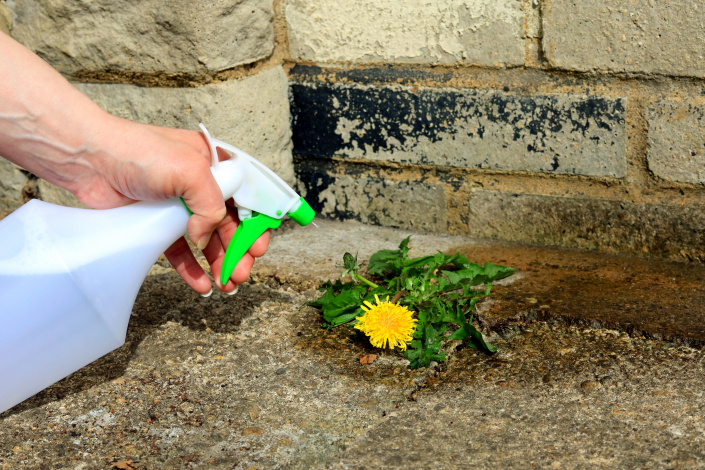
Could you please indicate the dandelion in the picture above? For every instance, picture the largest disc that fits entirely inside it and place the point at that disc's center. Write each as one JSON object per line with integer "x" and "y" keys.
{"x": 386, "y": 323}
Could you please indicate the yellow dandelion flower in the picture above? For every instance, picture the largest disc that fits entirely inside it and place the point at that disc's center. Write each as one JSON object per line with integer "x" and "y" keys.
{"x": 387, "y": 323}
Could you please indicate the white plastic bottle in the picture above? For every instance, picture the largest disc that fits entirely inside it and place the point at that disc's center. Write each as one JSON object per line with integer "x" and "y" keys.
{"x": 68, "y": 281}
{"x": 69, "y": 277}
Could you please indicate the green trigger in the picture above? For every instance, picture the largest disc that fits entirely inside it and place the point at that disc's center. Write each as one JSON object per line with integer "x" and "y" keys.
{"x": 247, "y": 232}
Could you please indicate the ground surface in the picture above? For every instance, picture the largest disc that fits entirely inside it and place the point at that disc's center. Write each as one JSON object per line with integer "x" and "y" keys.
{"x": 599, "y": 365}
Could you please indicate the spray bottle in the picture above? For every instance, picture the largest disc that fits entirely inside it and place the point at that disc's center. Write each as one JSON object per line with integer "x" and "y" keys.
{"x": 69, "y": 277}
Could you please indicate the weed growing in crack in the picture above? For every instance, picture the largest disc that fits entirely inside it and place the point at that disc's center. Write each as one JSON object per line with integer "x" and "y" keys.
{"x": 440, "y": 292}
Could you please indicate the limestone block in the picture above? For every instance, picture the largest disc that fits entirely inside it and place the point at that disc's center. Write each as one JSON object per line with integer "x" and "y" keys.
{"x": 5, "y": 19}
{"x": 644, "y": 36}
{"x": 56, "y": 195}
{"x": 482, "y": 32}
{"x": 197, "y": 36}
{"x": 8, "y": 205}
{"x": 251, "y": 113}
{"x": 558, "y": 133}
{"x": 373, "y": 199}
{"x": 676, "y": 142}
{"x": 12, "y": 180}
{"x": 387, "y": 203}
{"x": 657, "y": 229}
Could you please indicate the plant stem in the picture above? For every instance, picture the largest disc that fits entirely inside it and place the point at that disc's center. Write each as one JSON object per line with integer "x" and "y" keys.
{"x": 398, "y": 296}
{"x": 366, "y": 281}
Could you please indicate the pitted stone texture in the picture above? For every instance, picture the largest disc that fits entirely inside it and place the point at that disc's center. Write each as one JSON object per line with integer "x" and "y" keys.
{"x": 560, "y": 133}
{"x": 5, "y": 19}
{"x": 657, "y": 229}
{"x": 56, "y": 195}
{"x": 252, "y": 380}
{"x": 643, "y": 36}
{"x": 12, "y": 180}
{"x": 375, "y": 200}
{"x": 382, "y": 202}
{"x": 251, "y": 113}
{"x": 676, "y": 139}
{"x": 597, "y": 399}
{"x": 150, "y": 36}
{"x": 482, "y": 32}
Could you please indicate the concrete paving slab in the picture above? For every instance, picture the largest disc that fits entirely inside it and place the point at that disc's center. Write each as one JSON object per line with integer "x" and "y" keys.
{"x": 253, "y": 382}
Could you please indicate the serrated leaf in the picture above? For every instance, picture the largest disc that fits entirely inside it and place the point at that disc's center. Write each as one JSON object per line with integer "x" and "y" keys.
{"x": 332, "y": 305}
{"x": 416, "y": 262}
{"x": 453, "y": 277}
{"x": 389, "y": 261}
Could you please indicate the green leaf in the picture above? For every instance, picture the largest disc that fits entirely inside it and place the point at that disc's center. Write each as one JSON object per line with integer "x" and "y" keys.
{"x": 412, "y": 354}
{"x": 339, "y": 299}
{"x": 384, "y": 262}
{"x": 339, "y": 320}
{"x": 416, "y": 262}
{"x": 453, "y": 277}
{"x": 460, "y": 333}
{"x": 495, "y": 272}
{"x": 468, "y": 330}
{"x": 404, "y": 246}
{"x": 389, "y": 261}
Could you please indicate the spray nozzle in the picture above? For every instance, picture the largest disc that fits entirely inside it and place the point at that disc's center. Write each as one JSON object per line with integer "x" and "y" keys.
{"x": 262, "y": 199}
{"x": 302, "y": 215}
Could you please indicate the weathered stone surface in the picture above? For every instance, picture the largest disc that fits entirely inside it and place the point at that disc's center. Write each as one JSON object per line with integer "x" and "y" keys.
{"x": 642, "y": 36}
{"x": 12, "y": 180}
{"x": 253, "y": 381}
{"x": 375, "y": 200}
{"x": 483, "y": 32}
{"x": 658, "y": 229}
{"x": 676, "y": 142}
{"x": 251, "y": 113}
{"x": 243, "y": 391}
{"x": 553, "y": 397}
{"x": 5, "y": 19}
{"x": 8, "y": 205}
{"x": 567, "y": 134}
{"x": 56, "y": 195}
{"x": 153, "y": 36}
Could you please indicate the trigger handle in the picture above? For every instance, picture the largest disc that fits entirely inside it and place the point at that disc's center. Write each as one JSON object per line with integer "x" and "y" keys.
{"x": 246, "y": 234}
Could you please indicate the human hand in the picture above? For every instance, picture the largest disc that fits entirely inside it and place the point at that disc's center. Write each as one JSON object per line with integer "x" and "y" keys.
{"x": 170, "y": 163}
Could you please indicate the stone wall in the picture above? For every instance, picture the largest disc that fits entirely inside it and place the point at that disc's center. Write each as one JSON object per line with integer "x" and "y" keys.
{"x": 576, "y": 123}
{"x": 540, "y": 121}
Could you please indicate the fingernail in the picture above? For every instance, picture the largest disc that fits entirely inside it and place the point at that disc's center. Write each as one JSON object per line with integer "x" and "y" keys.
{"x": 234, "y": 291}
{"x": 203, "y": 242}
{"x": 208, "y": 294}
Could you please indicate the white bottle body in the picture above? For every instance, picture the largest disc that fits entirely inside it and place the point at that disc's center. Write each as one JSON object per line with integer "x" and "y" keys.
{"x": 69, "y": 277}
{"x": 68, "y": 280}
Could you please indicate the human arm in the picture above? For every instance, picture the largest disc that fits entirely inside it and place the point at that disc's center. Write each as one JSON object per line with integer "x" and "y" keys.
{"x": 50, "y": 128}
